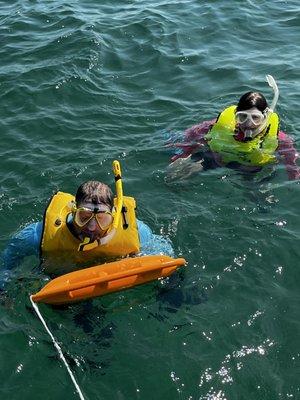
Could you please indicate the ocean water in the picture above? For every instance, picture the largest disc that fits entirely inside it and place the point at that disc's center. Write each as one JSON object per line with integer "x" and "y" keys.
{"x": 83, "y": 83}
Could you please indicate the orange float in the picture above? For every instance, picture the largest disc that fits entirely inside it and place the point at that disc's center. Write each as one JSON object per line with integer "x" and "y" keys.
{"x": 106, "y": 278}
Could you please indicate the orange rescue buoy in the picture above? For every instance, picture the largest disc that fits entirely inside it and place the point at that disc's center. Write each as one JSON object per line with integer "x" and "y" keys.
{"x": 106, "y": 278}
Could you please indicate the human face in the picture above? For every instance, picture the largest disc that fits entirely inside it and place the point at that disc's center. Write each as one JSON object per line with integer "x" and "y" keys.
{"x": 93, "y": 220}
{"x": 251, "y": 121}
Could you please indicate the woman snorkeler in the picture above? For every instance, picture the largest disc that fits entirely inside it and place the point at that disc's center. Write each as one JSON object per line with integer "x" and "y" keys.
{"x": 245, "y": 137}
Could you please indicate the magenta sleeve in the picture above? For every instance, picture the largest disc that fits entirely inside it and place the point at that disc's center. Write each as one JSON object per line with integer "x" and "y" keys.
{"x": 194, "y": 138}
{"x": 289, "y": 155}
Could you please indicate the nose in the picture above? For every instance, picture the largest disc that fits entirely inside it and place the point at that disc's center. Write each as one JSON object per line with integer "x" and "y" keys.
{"x": 247, "y": 124}
{"x": 92, "y": 225}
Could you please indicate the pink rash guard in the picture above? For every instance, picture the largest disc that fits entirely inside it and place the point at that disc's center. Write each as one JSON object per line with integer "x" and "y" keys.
{"x": 194, "y": 140}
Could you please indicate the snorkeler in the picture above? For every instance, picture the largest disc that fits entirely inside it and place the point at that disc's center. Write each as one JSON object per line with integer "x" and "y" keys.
{"x": 244, "y": 137}
{"x": 77, "y": 231}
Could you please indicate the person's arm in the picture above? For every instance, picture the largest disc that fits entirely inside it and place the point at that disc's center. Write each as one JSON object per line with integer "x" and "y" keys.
{"x": 194, "y": 138}
{"x": 289, "y": 155}
{"x": 24, "y": 243}
{"x": 152, "y": 244}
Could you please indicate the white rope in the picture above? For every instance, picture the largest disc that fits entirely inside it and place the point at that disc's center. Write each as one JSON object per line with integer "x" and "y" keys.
{"x": 57, "y": 348}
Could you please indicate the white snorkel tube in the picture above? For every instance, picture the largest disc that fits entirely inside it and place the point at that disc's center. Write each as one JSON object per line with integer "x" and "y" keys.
{"x": 251, "y": 133}
{"x": 270, "y": 110}
{"x": 273, "y": 85}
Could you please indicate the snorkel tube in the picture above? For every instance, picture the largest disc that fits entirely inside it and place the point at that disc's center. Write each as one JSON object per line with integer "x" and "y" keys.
{"x": 252, "y": 133}
{"x": 119, "y": 192}
{"x": 270, "y": 110}
{"x": 119, "y": 204}
{"x": 273, "y": 85}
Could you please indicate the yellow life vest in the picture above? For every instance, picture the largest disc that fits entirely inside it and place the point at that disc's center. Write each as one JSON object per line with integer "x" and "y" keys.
{"x": 256, "y": 152}
{"x": 59, "y": 245}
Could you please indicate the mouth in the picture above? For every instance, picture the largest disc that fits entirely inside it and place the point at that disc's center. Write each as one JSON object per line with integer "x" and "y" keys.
{"x": 94, "y": 235}
{"x": 249, "y": 131}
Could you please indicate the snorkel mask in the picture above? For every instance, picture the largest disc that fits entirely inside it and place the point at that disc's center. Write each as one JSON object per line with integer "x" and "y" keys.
{"x": 83, "y": 215}
{"x": 258, "y": 118}
{"x": 100, "y": 216}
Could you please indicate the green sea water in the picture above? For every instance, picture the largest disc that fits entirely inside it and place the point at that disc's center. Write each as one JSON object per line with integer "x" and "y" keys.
{"x": 83, "y": 83}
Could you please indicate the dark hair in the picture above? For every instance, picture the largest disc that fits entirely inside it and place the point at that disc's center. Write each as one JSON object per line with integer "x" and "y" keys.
{"x": 95, "y": 192}
{"x": 252, "y": 99}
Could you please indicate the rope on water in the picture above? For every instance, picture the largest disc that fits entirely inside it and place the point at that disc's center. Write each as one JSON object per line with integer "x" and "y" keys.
{"x": 57, "y": 348}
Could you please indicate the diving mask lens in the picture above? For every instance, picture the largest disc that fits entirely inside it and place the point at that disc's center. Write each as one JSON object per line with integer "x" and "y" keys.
{"x": 104, "y": 219}
{"x": 83, "y": 215}
{"x": 255, "y": 117}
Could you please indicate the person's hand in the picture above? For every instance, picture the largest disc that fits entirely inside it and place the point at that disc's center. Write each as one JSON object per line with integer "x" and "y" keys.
{"x": 183, "y": 168}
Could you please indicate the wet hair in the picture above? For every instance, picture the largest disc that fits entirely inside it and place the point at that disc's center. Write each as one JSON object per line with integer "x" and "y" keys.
{"x": 96, "y": 193}
{"x": 252, "y": 99}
